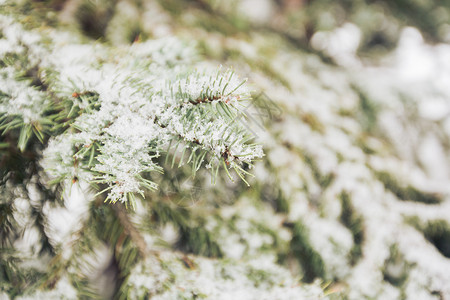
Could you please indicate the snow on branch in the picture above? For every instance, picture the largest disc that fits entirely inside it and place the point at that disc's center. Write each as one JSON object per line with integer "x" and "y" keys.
{"x": 121, "y": 109}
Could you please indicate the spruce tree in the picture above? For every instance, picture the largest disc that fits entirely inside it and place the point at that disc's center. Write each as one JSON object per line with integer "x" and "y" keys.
{"x": 138, "y": 161}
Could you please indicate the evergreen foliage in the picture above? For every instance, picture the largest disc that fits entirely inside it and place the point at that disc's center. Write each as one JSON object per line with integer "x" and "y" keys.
{"x": 120, "y": 132}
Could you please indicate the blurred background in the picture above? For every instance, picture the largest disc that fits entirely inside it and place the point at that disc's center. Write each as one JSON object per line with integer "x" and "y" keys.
{"x": 352, "y": 106}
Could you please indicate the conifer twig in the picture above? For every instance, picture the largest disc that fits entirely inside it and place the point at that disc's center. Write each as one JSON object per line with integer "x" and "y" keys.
{"x": 130, "y": 229}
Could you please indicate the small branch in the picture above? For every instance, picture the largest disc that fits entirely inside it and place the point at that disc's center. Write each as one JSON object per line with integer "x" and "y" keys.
{"x": 201, "y": 100}
{"x": 130, "y": 229}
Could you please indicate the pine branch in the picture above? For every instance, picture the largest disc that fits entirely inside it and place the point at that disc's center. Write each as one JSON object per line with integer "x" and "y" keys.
{"x": 130, "y": 229}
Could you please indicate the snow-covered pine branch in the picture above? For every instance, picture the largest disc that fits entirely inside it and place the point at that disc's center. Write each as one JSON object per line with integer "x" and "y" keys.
{"x": 119, "y": 110}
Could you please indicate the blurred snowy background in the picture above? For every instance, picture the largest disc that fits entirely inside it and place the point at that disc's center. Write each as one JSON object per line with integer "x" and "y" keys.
{"x": 353, "y": 194}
